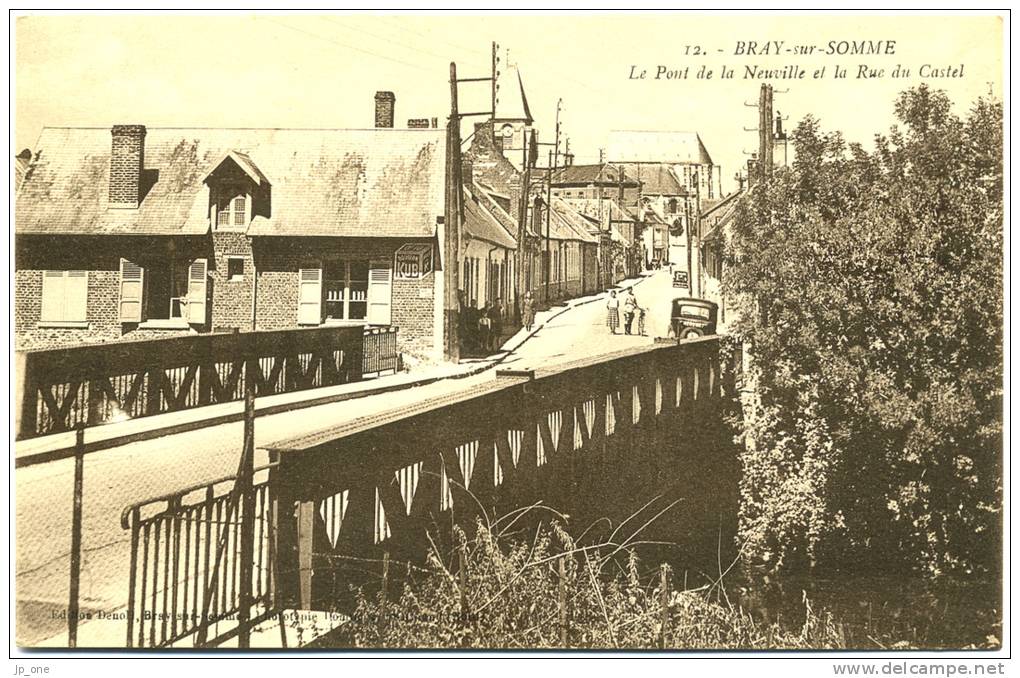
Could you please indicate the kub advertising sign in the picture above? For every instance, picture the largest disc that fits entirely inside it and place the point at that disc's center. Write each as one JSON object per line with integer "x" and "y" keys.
{"x": 412, "y": 261}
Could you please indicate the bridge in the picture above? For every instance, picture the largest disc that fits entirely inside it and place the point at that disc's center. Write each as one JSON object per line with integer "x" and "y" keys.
{"x": 597, "y": 438}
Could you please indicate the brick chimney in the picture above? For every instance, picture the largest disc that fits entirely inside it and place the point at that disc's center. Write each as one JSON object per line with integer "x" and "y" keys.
{"x": 127, "y": 160}
{"x": 384, "y": 102}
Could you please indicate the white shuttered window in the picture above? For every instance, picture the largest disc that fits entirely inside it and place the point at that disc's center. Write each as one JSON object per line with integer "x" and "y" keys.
{"x": 380, "y": 285}
{"x": 310, "y": 296}
{"x": 64, "y": 296}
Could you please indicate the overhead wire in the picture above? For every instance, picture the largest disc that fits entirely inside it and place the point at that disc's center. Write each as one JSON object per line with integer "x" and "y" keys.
{"x": 347, "y": 46}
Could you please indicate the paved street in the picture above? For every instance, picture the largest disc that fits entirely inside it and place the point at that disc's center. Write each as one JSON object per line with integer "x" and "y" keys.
{"x": 117, "y": 477}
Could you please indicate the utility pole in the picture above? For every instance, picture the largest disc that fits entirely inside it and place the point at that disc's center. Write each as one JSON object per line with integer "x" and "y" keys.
{"x": 766, "y": 139}
{"x": 495, "y": 85}
{"x": 690, "y": 239}
{"x": 554, "y": 157}
{"x": 769, "y": 138}
{"x": 454, "y": 208}
{"x": 522, "y": 219}
{"x": 697, "y": 260}
{"x": 548, "y": 216}
{"x": 451, "y": 228}
{"x": 604, "y": 238}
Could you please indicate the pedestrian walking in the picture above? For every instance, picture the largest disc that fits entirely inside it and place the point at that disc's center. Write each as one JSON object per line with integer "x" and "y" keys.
{"x": 613, "y": 315}
{"x": 495, "y": 325}
{"x": 528, "y": 311}
{"x": 641, "y": 321}
{"x": 484, "y": 329}
{"x": 471, "y": 325}
{"x": 630, "y": 307}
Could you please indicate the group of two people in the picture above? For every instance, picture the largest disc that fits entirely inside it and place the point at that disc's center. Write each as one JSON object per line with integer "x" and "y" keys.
{"x": 483, "y": 327}
{"x": 631, "y": 310}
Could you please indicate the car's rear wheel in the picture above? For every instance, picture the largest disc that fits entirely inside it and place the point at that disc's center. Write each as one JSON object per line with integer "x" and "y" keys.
{"x": 691, "y": 333}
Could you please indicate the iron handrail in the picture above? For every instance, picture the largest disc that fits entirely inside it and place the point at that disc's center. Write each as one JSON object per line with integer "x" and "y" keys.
{"x": 169, "y": 497}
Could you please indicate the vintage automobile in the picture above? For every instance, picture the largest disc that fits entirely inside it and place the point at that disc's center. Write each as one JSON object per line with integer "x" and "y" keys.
{"x": 693, "y": 318}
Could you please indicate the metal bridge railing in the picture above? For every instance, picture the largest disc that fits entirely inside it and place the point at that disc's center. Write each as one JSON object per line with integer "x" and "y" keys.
{"x": 185, "y": 571}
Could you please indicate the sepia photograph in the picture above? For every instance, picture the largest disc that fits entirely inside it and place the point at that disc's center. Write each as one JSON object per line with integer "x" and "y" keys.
{"x": 615, "y": 332}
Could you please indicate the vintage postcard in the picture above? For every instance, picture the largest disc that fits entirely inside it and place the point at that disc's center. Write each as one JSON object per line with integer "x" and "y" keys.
{"x": 661, "y": 331}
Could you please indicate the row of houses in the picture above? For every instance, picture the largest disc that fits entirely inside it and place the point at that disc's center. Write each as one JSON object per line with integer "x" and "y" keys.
{"x": 133, "y": 232}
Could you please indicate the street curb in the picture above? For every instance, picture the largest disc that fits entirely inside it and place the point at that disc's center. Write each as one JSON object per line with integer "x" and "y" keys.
{"x": 34, "y": 459}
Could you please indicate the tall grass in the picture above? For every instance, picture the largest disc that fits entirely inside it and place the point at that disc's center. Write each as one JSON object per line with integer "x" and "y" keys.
{"x": 509, "y": 591}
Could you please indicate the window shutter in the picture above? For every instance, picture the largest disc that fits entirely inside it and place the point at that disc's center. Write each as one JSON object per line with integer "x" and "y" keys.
{"x": 132, "y": 284}
{"x": 198, "y": 285}
{"x": 52, "y": 296}
{"x": 76, "y": 294}
{"x": 310, "y": 296}
{"x": 380, "y": 276}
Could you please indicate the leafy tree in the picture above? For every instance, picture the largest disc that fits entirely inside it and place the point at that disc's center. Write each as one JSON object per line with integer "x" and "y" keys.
{"x": 872, "y": 291}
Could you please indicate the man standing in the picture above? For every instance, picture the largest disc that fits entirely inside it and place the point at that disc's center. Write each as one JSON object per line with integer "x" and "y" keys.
{"x": 630, "y": 307}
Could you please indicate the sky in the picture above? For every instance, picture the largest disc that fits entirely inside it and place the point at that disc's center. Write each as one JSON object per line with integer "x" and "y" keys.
{"x": 317, "y": 70}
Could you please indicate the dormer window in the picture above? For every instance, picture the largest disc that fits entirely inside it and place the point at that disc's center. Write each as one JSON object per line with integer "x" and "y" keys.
{"x": 232, "y": 207}
{"x": 238, "y": 191}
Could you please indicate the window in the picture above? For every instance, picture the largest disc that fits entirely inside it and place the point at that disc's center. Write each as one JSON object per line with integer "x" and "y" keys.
{"x": 346, "y": 289}
{"x": 64, "y": 298}
{"x": 232, "y": 207}
{"x": 339, "y": 291}
{"x": 235, "y": 268}
{"x": 166, "y": 290}
{"x": 164, "y": 293}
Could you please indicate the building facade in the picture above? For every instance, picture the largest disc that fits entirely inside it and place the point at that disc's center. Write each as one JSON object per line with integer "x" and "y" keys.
{"x": 134, "y": 232}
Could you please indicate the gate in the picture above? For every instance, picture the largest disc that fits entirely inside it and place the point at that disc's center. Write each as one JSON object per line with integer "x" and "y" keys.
{"x": 186, "y": 564}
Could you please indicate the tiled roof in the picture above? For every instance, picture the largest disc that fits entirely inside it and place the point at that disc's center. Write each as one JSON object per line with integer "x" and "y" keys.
{"x": 656, "y": 179}
{"x": 481, "y": 223}
{"x": 609, "y": 209}
{"x": 568, "y": 224}
{"x": 583, "y": 175}
{"x": 328, "y": 182}
{"x": 717, "y": 216}
{"x": 664, "y": 147}
{"x": 246, "y": 164}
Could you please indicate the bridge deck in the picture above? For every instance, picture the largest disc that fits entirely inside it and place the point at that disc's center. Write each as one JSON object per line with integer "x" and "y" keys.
{"x": 507, "y": 379}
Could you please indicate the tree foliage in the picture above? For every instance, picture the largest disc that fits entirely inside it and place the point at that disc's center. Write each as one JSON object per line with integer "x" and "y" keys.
{"x": 871, "y": 285}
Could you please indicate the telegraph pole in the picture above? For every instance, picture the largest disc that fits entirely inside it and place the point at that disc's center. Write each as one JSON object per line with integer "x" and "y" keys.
{"x": 690, "y": 240}
{"x": 548, "y": 214}
{"x": 451, "y": 227}
{"x": 554, "y": 157}
{"x": 697, "y": 221}
{"x": 495, "y": 86}
{"x": 599, "y": 259}
{"x": 454, "y": 207}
